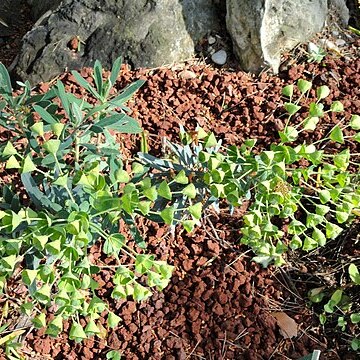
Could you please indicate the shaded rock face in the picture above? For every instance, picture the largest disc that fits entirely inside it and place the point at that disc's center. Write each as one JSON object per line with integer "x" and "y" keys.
{"x": 8, "y": 20}
{"x": 147, "y": 33}
{"x": 151, "y": 33}
{"x": 262, "y": 29}
{"x": 40, "y": 7}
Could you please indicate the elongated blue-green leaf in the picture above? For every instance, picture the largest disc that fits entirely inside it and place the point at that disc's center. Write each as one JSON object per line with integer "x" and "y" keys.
{"x": 40, "y": 200}
{"x": 82, "y": 82}
{"x": 45, "y": 115}
{"x": 110, "y": 120}
{"x": 127, "y": 93}
{"x": 5, "y": 82}
{"x": 115, "y": 70}
{"x": 98, "y": 76}
{"x": 60, "y": 91}
{"x": 119, "y": 122}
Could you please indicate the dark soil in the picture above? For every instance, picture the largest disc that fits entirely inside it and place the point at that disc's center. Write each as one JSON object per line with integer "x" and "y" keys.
{"x": 18, "y": 23}
{"x": 219, "y": 303}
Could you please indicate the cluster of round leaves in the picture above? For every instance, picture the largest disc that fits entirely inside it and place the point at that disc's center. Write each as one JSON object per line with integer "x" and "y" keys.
{"x": 315, "y": 199}
{"x": 339, "y": 308}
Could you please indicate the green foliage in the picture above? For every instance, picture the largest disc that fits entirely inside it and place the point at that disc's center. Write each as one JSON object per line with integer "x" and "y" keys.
{"x": 307, "y": 185}
{"x": 340, "y": 307}
{"x": 72, "y": 171}
{"x": 70, "y": 166}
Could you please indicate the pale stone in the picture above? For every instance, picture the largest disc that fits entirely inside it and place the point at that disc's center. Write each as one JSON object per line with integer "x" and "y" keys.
{"x": 219, "y": 57}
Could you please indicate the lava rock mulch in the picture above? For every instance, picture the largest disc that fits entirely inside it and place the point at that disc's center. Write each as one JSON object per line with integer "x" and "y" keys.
{"x": 219, "y": 303}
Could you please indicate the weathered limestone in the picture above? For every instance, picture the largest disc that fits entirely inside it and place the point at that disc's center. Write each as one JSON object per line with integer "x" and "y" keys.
{"x": 262, "y": 29}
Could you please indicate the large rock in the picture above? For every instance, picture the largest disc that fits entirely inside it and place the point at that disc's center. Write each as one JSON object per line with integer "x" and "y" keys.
{"x": 262, "y": 29}
{"x": 147, "y": 33}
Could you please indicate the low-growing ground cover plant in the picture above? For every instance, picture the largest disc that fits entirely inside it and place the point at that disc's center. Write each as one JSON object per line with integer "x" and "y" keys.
{"x": 74, "y": 190}
{"x": 339, "y": 308}
{"x": 310, "y": 187}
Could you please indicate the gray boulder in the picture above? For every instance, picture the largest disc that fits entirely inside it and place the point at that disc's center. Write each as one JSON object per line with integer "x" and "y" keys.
{"x": 262, "y": 29}
{"x": 147, "y": 33}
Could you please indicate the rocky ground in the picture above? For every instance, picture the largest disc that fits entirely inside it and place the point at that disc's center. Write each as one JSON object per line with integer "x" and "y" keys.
{"x": 220, "y": 304}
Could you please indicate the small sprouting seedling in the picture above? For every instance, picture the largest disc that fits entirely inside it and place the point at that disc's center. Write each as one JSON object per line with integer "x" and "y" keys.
{"x": 339, "y": 307}
{"x": 316, "y": 53}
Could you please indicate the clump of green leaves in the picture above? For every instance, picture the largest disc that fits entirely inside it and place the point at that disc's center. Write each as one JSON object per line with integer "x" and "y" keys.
{"x": 70, "y": 190}
{"x": 316, "y": 199}
{"x": 339, "y": 308}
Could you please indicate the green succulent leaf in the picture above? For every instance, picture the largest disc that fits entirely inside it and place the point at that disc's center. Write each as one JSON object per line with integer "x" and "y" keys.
{"x": 292, "y": 108}
{"x": 337, "y": 106}
{"x": 52, "y": 146}
{"x": 189, "y": 225}
{"x": 304, "y": 85}
{"x": 189, "y": 191}
{"x": 168, "y": 215}
{"x": 181, "y": 178}
{"x": 355, "y": 122}
{"x": 38, "y": 128}
{"x": 57, "y": 128}
{"x": 310, "y": 123}
{"x": 354, "y": 274}
{"x": 113, "y": 320}
{"x": 12, "y": 163}
{"x": 316, "y": 110}
{"x": 164, "y": 190}
{"x": 288, "y": 90}
{"x": 29, "y": 276}
{"x": 141, "y": 292}
{"x": 322, "y": 92}
{"x": 355, "y": 318}
{"x": 342, "y": 216}
{"x": 210, "y": 141}
{"x": 290, "y": 134}
{"x": 196, "y": 210}
{"x": 342, "y": 159}
{"x": 309, "y": 244}
{"x": 151, "y": 193}
{"x": 28, "y": 165}
{"x": 91, "y": 328}
{"x": 9, "y": 149}
{"x": 62, "y": 180}
{"x": 77, "y": 332}
{"x": 337, "y": 135}
{"x": 39, "y": 321}
{"x": 324, "y": 196}
{"x": 332, "y": 230}
{"x": 144, "y": 207}
{"x": 113, "y": 355}
{"x": 122, "y": 176}
{"x": 113, "y": 244}
{"x": 319, "y": 236}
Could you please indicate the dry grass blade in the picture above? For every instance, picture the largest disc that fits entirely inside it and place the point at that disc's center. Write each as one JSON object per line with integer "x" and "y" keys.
{"x": 2, "y": 22}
